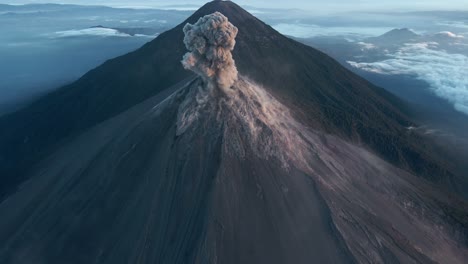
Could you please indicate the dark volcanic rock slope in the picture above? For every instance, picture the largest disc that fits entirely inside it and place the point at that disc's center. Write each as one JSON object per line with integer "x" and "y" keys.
{"x": 265, "y": 171}
{"x": 174, "y": 180}
{"x": 152, "y": 193}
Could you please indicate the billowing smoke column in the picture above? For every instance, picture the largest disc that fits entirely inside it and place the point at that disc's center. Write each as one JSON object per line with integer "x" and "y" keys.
{"x": 210, "y": 42}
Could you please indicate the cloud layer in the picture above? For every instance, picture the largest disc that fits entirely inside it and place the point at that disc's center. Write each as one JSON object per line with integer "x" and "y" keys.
{"x": 106, "y": 32}
{"x": 97, "y": 31}
{"x": 446, "y": 73}
{"x": 309, "y": 30}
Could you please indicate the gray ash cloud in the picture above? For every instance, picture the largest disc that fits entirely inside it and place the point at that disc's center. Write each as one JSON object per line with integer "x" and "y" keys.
{"x": 210, "y": 42}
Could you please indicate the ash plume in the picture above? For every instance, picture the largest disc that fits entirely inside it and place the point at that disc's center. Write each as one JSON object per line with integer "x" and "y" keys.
{"x": 210, "y": 42}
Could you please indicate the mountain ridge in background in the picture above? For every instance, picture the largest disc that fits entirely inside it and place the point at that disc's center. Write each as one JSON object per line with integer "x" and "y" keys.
{"x": 395, "y": 36}
{"x": 119, "y": 171}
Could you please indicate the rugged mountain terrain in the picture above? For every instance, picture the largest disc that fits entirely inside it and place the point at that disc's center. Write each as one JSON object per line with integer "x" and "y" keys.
{"x": 331, "y": 97}
{"x": 276, "y": 154}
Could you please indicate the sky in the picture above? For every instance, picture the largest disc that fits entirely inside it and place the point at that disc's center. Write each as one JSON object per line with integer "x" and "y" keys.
{"x": 318, "y": 5}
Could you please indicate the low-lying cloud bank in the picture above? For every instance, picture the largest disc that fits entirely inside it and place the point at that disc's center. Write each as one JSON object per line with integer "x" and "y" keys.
{"x": 299, "y": 30}
{"x": 446, "y": 73}
{"x": 107, "y": 32}
{"x": 449, "y": 34}
{"x": 96, "y": 31}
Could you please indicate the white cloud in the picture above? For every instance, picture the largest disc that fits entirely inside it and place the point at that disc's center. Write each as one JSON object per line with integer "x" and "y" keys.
{"x": 366, "y": 46}
{"x": 449, "y": 34}
{"x": 446, "y": 73}
{"x": 162, "y": 21}
{"x": 106, "y": 32}
{"x": 456, "y": 24}
{"x": 309, "y": 30}
{"x": 98, "y": 31}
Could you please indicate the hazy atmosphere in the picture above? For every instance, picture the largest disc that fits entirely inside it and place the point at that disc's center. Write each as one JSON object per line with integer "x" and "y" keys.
{"x": 333, "y": 5}
{"x": 45, "y": 46}
{"x": 253, "y": 132}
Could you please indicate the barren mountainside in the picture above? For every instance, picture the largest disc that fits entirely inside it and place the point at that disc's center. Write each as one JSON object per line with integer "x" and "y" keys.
{"x": 222, "y": 141}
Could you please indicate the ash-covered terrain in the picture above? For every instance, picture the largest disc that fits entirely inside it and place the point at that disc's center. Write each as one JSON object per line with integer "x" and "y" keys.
{"x": 252, "y": 149}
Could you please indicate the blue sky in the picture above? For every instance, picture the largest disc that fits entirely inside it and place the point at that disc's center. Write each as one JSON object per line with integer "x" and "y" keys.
{"x": 318, "y": 5}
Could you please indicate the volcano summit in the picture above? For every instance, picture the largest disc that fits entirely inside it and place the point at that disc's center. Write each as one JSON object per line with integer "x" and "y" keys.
{"x": 252, "y": 149}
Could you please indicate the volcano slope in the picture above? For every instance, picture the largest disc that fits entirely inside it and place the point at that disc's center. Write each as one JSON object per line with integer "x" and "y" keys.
{"x": 224, "y": 168}
{"x": 326, "y": 95}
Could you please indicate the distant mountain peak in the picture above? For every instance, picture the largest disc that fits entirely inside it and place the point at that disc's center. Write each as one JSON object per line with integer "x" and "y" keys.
{"x": 401, "y": 32}
{"x": 394, "y": 36}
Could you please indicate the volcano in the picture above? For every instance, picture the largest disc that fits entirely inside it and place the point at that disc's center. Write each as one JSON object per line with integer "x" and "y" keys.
{"x": 222, "y": 141}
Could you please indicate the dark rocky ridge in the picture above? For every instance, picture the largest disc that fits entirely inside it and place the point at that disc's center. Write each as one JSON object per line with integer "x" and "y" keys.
{"x": 332, "y": 99}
